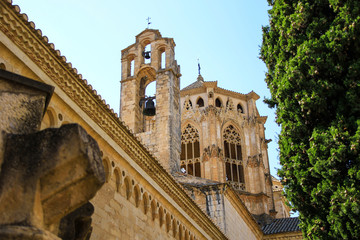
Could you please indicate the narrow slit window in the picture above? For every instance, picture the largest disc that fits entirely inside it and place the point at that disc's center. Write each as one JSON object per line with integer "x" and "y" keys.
{"x": 235, "y": 173}
{"x": 239, "y": 108}
{"x": 218, "y": 102}
{"x": 241, "y": 173}
{"x": 200, "y": 102}
{"x": 228, "y": 172}
{"x": 190, "y": 169}
{"x": 163, "y": 60}
{"x": 189, "y": 151}
{"x": 197, "y": 170}
{"x": 183, "y": 152}
{"x": 232, "y": 151}
{"x": 226, "y": 148}
{"x": 132, "y": 67}
{"x": 238, "y": 151}
{"x": 196, "y": 149}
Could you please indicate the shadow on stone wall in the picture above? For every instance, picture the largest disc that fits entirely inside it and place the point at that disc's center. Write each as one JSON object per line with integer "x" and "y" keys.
{"x": 46, "y": 177}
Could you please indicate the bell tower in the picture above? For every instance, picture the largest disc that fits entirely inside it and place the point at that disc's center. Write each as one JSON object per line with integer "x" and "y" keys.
{"x": 155, "y": 119}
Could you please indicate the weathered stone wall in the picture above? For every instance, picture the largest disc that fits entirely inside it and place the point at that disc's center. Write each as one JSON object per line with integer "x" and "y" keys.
{"x": 140, "y": 200}
{"x": 211, "y": 121}
{"x": 44, "y": 175}
{"x": 134, "y": 178}
{"x": 166, "y": 123}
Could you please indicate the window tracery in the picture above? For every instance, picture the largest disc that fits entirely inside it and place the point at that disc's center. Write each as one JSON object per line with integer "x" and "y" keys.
{"x": 233, "y": 158}
{"x": 190, "y": 151}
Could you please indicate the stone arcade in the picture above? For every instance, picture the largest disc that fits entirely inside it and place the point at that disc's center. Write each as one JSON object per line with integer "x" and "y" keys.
{"x": 197, "y": 169}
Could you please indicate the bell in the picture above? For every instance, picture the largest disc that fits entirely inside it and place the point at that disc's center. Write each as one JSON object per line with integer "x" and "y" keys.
{"x": 146, "y": 55}
{"x": 149, "y": 109}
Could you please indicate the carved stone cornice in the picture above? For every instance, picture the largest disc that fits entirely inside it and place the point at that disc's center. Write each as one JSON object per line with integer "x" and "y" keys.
{"x": 36, "y": 46}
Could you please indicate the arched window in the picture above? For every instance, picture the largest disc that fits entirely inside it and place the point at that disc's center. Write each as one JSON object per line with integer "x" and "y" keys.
{"x": 218, "y": 102}
{"x": 132, "y": 67}
{"x": 200, "y": 102}
{"x": 239, "y": 108}
{"x": 190, "y": 151}
{"x": 233, "y": 157}
{"x": 163, "y": 60}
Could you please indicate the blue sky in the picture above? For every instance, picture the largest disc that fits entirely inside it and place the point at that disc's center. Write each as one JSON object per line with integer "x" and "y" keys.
{"x": 225, "y": 35}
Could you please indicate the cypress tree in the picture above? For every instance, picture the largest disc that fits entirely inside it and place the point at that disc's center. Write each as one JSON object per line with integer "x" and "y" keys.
{"x": 312, "y": 52}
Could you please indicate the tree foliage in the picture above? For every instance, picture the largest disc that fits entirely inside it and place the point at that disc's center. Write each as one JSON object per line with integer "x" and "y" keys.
{"x": 312, "y": 52}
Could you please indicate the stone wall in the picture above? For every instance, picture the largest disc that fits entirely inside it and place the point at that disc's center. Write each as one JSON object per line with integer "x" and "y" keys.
{"x": 238, "y": 111}
{"x": 236, "y": 228}
{"x": 135, "y": 179}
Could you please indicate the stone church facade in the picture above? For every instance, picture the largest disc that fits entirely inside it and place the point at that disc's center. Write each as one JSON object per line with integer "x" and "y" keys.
{"x": 197, "y": 168}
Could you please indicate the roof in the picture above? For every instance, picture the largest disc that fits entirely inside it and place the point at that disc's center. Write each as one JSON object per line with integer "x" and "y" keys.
{"x": 282, "y": 225}
{"x": 192, "y": 181}
{"x": 199, "y": 83}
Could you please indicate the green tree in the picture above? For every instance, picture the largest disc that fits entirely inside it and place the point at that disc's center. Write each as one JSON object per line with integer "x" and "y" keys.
{"x": 312, "y": 52}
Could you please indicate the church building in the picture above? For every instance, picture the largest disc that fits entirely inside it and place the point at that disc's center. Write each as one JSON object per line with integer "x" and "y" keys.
{"x": 187, "y": 163}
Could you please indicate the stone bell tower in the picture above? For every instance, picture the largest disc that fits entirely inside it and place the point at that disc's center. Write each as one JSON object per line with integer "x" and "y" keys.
{"x": 149, "y": 59}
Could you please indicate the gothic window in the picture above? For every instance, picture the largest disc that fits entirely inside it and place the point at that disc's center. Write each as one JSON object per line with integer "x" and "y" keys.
{"x": 200, "y": 102}
{"x": 218, "y": 102}
{"x": 190, "y": 151}
{"x": 233, "y": 157}
{"x": 239, "y": 108}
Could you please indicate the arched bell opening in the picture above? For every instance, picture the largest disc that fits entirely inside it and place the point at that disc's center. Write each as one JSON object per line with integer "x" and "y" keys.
{"x": 147, "y": 53}
{"x": 147, "y": 99}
